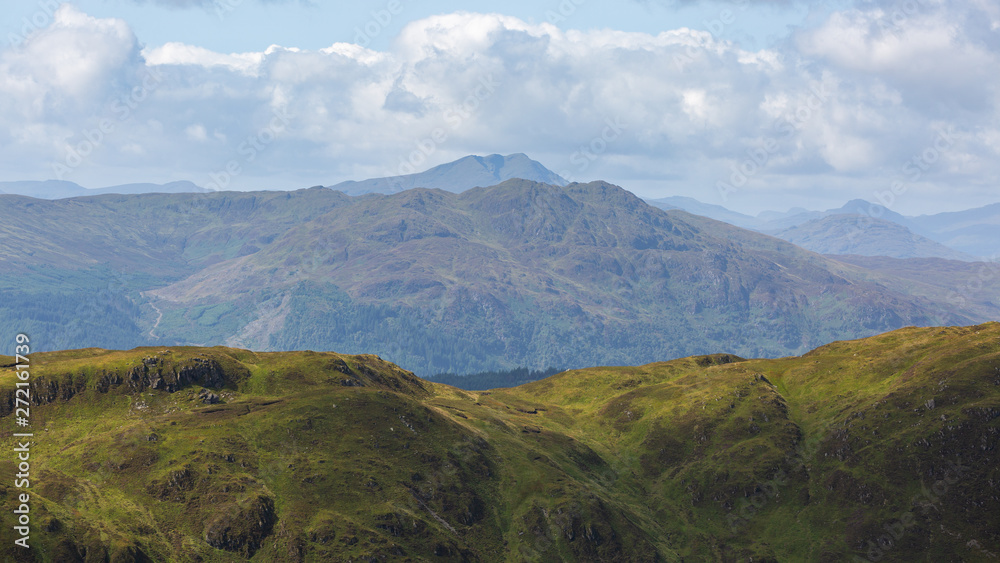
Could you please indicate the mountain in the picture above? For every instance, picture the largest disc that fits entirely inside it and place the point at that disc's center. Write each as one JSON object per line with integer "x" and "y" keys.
{"x": 716, "y": 212}
{"x": 959, "y": 284}
{"x": 58, "y": 189}
{"x": 458, "y": 176}
{"x": 774, "y": 222}
{"x": 966, "y": 235}
{"x": 533, "y": 275}
{"x": 865, "y": 236}
{"x": 879, "y": 449}
{"x": 182, "y": 187}
{"x": 49, "y": 189}
{"x": 521, "y": 274}
{"x": 974, "y": 231}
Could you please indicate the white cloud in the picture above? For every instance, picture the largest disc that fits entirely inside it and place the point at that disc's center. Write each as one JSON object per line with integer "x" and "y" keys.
{"x": 692, "y": 105}
{"x": 181, "y": 54}
{"x": 196, "y": 133}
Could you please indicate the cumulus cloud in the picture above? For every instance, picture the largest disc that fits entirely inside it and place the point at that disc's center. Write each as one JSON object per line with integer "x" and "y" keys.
{"x": 848, "y": 100}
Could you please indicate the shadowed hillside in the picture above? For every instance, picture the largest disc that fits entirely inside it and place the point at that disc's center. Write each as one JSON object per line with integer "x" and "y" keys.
{"x": 884, "y": 448}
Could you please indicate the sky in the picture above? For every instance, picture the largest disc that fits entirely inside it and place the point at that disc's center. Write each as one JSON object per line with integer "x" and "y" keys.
{"x": 750, "y": 104}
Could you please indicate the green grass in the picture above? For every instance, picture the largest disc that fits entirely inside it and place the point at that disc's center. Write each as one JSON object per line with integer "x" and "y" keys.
{"x": 319, "y": 456}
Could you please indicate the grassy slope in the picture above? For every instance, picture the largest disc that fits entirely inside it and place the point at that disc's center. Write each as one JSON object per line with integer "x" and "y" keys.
{"x": 706, "y": 458}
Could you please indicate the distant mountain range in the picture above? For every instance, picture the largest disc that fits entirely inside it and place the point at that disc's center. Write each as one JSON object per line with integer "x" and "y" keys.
{"x": 460, "y": 175}
{"x": 521, "y": 274}
{"x": 861, "y": 229}
{"x": 59, "y": 189}
{"x": 966, "y": 235}
{"x": 865, "y": 236}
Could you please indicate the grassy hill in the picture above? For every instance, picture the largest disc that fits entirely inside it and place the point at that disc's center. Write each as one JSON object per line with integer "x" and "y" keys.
{"x": 883, "y": 448}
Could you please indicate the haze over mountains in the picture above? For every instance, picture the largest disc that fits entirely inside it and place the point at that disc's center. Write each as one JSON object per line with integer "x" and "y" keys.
{"x": 225, "y": 454}
{"x": 860, "y": 227}
{"x": 60, "y": 189}
{"x": 460, "y": 175}
{"x": 462, "y": 279}
{"x": 521, "y": 274}
{"x": 866, "y": 236}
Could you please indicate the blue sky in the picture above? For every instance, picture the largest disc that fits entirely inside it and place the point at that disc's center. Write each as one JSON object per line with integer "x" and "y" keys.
{"x": 252, "y": 25}
{"x": 751, "y": 104}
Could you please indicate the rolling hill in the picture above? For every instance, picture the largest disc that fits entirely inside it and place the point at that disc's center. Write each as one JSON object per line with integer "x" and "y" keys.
{"x": 883, "y": 449}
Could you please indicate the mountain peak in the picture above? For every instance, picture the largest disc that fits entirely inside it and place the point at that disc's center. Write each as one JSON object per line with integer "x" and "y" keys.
{"x": 465, "y": 173}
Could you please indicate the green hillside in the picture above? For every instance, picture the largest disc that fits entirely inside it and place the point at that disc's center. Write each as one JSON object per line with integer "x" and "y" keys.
{"x": 218, "y": 454}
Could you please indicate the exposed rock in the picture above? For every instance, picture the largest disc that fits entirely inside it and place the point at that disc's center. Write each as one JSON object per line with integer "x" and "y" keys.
{"x": 208, "y": 397}
{"x": 242, "y": 529}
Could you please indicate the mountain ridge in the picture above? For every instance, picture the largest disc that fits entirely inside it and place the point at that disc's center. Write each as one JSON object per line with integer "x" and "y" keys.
{"x": 881, "y": 449}
{"x": 463, "y": 174}
{"x": 519, "y": 275}
{"x": 866, "y": 236}
{"x": 61, "y": 189}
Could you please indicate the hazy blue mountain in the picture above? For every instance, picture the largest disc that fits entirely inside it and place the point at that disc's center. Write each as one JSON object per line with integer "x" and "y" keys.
{"x": 521, "y": 274}
{"x": 774, "y": 222}
{"x": 716, "y": 212}
{"x": 181, "y": 187}
{"x": 61, "y": 189}
{"x": 864, "y": 236}
{"x": 964, "y": 235}
{"x": 48, "y": 189}
{"x": 768, "y": 216}
{"x": 460, "y": 175}
{"x": 975, "y": 231}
